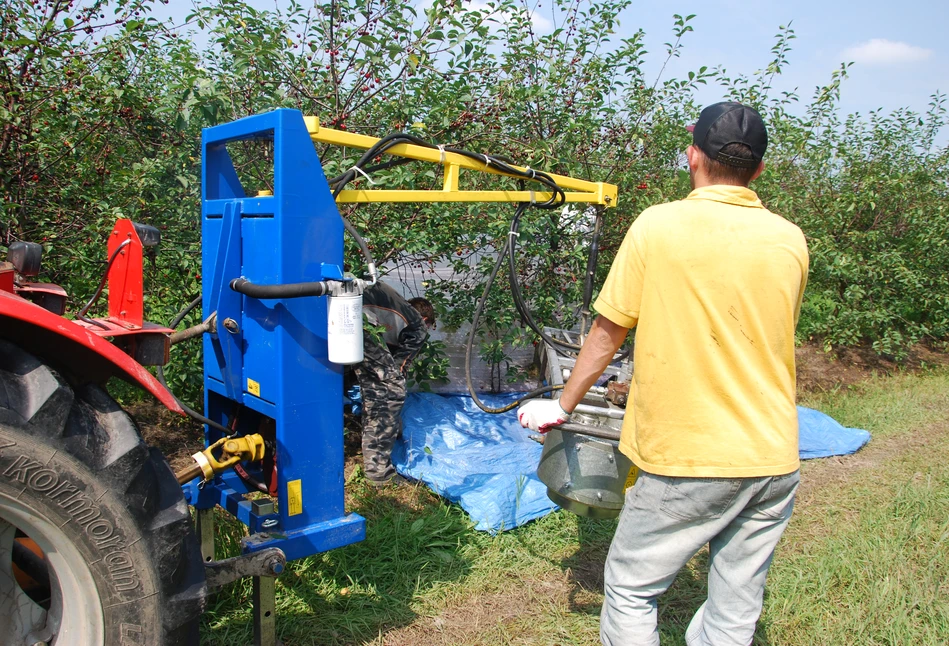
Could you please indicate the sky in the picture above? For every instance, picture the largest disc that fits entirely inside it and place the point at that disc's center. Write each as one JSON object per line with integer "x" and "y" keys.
{"x": 899, "y": 50}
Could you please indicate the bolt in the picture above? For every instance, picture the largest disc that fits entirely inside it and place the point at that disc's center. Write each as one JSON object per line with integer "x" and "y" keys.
{"x": 276, "y": 567}
{"x": 231, "y": 326}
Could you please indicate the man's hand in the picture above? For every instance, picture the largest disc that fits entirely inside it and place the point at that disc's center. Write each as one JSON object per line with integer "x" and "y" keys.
{"x": 542, "y": 414}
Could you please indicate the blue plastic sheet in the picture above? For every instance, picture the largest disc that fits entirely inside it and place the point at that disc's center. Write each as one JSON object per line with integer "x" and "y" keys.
{"x": 488, "y": 464}
{"x": 822, "y": 436}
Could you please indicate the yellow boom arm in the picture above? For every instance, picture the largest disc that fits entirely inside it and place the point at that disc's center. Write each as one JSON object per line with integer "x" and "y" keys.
{"x": 575, "y": 190}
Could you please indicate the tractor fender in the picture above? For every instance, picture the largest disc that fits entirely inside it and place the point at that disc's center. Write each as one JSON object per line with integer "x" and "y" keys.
{"x": 85, "y": 356}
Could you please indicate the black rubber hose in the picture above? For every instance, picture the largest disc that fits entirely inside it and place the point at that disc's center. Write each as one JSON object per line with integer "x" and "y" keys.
{"x": 81, "y": 314}
{"x": 337, "y": 183}
{"x": 519, "y": 303}
{"x": 160, "y": 373}
{"x": 183, "y": 313}
{"x": 591, "y": 270}
{"x": 287, "y": 290}
{"x": 102, "y": 282}
{"x": 561, "y": 346}
{"x": 363, "y": 248}
{"x": 471, "y": 334}
{"x": 249, "y": 480}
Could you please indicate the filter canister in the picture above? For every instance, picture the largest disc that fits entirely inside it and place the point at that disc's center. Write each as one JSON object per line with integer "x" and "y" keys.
{"x": 344, "y": 329}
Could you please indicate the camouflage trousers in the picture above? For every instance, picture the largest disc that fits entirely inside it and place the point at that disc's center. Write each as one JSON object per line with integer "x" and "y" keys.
{"x": 383, "y": 394}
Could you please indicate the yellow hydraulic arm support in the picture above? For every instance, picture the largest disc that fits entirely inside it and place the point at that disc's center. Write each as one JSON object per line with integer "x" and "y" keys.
{"x": 575, "y": 190}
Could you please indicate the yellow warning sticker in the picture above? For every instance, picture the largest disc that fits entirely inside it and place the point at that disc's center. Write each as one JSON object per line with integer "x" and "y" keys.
{"x": 294, "y": 497}
{"x": 253, "y": 387}
{"x": 631, "y": 477}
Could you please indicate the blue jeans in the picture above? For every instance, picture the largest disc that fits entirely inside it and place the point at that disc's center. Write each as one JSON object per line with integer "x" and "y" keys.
{"x": 664, "y": 522}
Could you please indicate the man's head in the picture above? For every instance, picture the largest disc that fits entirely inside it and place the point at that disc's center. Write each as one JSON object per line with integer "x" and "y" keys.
{"x": 728, "y": 145}
{"x": 424, "y": 307}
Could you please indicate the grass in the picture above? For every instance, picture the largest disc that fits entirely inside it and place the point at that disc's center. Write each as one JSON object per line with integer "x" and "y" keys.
{"x": 863, "y": 561}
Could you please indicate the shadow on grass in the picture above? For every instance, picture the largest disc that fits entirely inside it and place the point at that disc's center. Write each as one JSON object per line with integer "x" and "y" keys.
{"x": 584, "y": 570}
{"x": 351, "y": 595}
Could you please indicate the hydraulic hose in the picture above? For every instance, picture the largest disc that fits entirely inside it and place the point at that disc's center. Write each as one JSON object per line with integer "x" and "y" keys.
{"x": 363, "y": 248}
{"x": 160, "y": 373}
{"x": 81, "y": 314}
{"x": 287, "y": 290}
{"x": 561, "y": 346}
{"x": 590, "y": 273}
{"x": 183, "y": 313}
{"x": 393, "y": 139}
{"x": 474, "y": 328}
{"x": 519, "y": 303}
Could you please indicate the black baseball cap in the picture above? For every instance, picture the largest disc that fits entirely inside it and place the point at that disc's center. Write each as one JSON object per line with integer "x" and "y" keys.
{"x": 726, "y": 123}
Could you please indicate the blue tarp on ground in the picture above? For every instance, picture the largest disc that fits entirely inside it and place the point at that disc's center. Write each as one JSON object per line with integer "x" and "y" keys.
{"x": 821, "y": 436}
{"x": 487, "y": 463}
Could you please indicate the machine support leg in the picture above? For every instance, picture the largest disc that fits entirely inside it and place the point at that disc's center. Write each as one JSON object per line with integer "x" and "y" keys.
{"x": 265, "y": 611}
{"x": 205, "y": 531}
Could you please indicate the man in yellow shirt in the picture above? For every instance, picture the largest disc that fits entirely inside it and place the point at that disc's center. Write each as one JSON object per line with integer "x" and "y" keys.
{"x": 713, "y": 283}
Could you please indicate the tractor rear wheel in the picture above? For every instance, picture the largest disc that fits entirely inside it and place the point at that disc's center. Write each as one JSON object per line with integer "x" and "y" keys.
{"x": 96, "y": 542}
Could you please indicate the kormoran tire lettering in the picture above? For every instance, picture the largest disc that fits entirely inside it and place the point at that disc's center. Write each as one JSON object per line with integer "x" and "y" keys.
{"x": 84, "y": 513}
{"x": 72, "y": 455}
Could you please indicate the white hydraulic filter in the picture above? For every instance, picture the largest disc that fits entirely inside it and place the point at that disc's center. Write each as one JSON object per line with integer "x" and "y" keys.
{"x": 344, "y": 328}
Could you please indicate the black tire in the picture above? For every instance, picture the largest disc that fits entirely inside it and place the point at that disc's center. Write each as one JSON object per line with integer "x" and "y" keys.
{"x": 75, "y": 458}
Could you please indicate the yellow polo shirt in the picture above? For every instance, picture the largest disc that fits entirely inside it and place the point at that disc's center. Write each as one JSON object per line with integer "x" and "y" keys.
{"x": 713, "y": 283}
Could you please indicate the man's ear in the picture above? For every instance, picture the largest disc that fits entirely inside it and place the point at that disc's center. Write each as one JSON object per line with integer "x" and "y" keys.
{"x": 757, "y": 172}
{"x": 694, "y": 156}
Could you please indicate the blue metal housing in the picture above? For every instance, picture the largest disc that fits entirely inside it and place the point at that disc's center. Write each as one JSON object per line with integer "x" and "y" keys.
{"x": 267, "y": 366}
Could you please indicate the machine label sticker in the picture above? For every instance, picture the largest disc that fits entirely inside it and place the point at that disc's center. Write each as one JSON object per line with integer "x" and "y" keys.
{"x": 294, "y": 497}
{"x": 631, "y": 477}
{"x": 253, "y": 387}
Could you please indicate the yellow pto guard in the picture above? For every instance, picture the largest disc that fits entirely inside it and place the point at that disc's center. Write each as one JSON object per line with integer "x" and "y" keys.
{"x": 233, "y": 450}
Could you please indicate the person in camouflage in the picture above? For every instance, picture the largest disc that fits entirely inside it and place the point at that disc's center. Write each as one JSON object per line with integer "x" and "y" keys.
{"x": 382, "y": 372}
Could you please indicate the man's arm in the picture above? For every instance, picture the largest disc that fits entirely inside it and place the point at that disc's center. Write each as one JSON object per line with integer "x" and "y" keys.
{"x": 602, "y": 342}
{"x": 598, "y": 350}
{"x": 411, "y": 339}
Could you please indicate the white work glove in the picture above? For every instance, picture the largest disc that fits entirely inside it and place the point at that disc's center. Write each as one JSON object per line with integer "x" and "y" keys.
{"x": 542, "y": 414}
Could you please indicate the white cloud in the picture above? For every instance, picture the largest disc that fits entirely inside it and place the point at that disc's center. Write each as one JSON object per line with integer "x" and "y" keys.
{"x": 880, "y": 51}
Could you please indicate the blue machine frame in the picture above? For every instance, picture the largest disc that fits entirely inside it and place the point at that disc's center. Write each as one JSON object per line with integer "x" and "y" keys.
{"x": 267, "y": 365}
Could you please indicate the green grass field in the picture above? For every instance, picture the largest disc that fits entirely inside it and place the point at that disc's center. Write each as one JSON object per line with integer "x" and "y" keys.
{"x": 863, "y": 562}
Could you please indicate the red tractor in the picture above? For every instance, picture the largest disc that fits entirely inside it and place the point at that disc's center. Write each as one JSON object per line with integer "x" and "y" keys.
{"x": 96, "y": 540}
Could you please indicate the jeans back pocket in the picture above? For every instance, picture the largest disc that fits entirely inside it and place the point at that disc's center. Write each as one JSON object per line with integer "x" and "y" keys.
{"x": 698, "y": 498}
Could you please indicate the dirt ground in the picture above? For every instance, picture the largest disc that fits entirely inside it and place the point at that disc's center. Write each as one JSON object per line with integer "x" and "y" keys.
{"x": 821, "y": 371}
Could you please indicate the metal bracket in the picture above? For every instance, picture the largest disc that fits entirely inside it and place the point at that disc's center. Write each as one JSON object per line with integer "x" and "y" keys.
{"x": 204, "y": 526}
{"x": 265, "y": 563}
{"x": 265, "y": 612}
